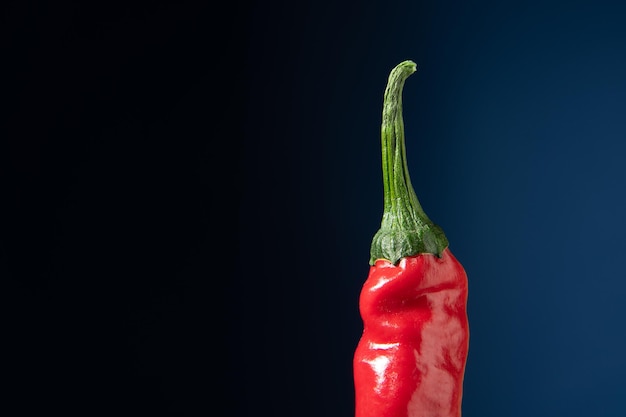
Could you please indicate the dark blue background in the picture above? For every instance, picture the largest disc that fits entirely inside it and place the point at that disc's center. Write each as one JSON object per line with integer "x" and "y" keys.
{"x": 189, "y": 195}
{"x": 516, "y": 142}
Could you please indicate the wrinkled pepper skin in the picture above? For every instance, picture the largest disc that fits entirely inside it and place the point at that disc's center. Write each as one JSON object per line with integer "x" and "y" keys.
{"x": 410, "y": 359}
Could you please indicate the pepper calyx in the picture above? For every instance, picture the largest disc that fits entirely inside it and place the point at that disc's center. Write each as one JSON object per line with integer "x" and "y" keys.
{"x": 405, "y": 229}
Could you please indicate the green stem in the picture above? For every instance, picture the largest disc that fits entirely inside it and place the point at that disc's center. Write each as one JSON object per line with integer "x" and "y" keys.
{"x": 405, "y": 229}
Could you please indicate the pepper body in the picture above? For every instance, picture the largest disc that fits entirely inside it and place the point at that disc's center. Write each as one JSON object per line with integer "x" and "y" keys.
{"x": 410, "y": 360}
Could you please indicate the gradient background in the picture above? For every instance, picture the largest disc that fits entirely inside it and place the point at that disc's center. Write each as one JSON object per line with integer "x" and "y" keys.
{"x": 191, "y": 194}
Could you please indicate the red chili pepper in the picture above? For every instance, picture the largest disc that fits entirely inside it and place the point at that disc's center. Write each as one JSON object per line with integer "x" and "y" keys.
{"x": 410, "y": 360}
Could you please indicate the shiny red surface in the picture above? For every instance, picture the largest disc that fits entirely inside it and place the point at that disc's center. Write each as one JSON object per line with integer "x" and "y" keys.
{"x": 410, "y": 360}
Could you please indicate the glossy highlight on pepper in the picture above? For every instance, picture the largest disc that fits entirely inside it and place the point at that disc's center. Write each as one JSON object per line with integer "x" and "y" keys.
{"x": 410, "y": 360}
